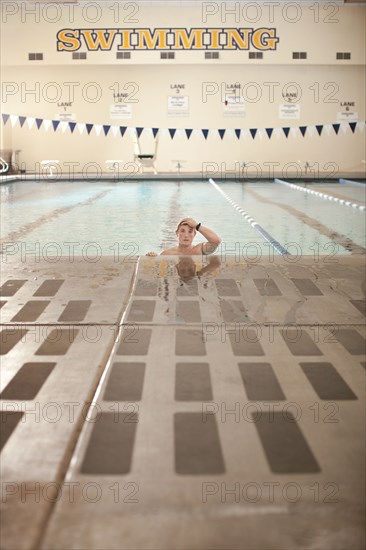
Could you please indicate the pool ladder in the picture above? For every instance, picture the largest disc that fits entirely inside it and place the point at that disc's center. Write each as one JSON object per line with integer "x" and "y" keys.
{"x": 4, "y": 166}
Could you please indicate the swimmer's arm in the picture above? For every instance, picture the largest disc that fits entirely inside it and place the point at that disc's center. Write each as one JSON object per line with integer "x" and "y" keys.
{"x": 213, "y": 240}
{"x": 169, "y": 252}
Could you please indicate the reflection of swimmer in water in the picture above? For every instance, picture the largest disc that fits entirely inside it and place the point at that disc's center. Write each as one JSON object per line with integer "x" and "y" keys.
{"x": 186, "y": 231}
{"x": 187, "y": 268}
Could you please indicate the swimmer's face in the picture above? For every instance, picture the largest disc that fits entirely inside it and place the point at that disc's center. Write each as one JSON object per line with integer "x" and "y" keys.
{"x": 185, "y": 234}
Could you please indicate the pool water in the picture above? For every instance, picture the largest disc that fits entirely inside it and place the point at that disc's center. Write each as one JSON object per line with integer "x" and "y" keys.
{"x": 134, "y": 217}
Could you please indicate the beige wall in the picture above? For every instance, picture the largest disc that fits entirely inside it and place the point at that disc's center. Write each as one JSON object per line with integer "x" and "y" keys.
{"x": 322, "y": 82}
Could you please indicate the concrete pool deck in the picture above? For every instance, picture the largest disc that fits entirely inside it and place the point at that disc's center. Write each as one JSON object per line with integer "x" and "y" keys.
{"x": 183, "y": 403}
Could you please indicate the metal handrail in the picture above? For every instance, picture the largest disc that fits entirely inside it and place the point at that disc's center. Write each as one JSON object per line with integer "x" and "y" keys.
{"x": 4, "y": 166}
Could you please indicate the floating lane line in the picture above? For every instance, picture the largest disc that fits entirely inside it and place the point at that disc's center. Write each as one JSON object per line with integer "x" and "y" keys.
{"x": 272, "y": 241}
{"x": 351, "y": 182}
{"x": 322, "y": 195}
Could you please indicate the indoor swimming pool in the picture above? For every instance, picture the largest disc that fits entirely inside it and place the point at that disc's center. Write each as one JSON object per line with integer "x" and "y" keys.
{"x": 125, "y": 218}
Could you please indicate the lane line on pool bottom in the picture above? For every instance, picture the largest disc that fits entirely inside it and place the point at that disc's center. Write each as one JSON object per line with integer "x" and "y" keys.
{"x": 272, "y": 241}
{"x": 322, "y": 195}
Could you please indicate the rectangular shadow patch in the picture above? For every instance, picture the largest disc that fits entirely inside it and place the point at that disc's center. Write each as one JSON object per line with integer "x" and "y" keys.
{"x": 49, "y": 287}
{"x": 260, "y": 382}
{"x": 267, "y": 287}
{"x": 125, "y": 382}
{"x": 27, "y": 382}
{"x": 245, "y": 342}
{"x": 9, "y": 337}
{"x": 188, "y": 311}
{"x": 75, "y": 311}
{"x": 189, "y": 342}
{"x": 8, "y": 423}
{"x": 285, "y": 447}
{"x": 141, "y": 311}
{"x": 233, "y": 311}
{"x": 110, "y": 447}
{"x": 31, "y": 311}
{"x": 134, "y": 341}
{"x": 227, "y": 287}
{"x": 11, "y": 287}
{"x": 306, "y": 287}
{"x": 327, "y": 382}
{"x": 299, "y": 342}
{"x": 58, "y": 342}
{"x": 360, "y": 305}
{"x": 197, "y": 445}
{"x": 146, "y": 288}
{"x": 188, "y": 288}
{"x": 352, "y": 340}
{"x": 193, "y": 382}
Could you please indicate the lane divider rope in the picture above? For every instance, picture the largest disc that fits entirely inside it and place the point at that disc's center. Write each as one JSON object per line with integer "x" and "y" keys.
{"x": 351, "y": 182}
{"x": 272, "y": 241}
{"x": 322, "y": 195}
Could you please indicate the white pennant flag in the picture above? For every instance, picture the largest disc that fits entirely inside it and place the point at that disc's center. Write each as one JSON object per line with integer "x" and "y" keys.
{"x": 328, "y": 129}
{"x": 244, "y": 134}
{"x": 277, "y": 132}
{"x": 311, "y": 131}
{"x": 81, "y": 127}
{"x": 197, "y": 133}
{"x": 115, "y": 130}
{"x": 98, "y": 129}
{"x": 361, "y": 125}
{"x": 163, "y": 132}
{"x": 13, "y": 120}
{"x": 344, "y": 127}
{"x": 47, "y": 124}
{"x": 30, "y": 122}
{"x": 294, "y": 131}
{"x": 260, "y": 133}
{"x": 179, "y": 133}
{"x": 132, "y": 131}
{"x": 229, "y": 133}
{"x": 148, "y": 132}
{"x": 63, "y": 126}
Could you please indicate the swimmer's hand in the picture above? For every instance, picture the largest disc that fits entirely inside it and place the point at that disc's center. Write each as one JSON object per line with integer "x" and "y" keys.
{"x": 151, "y": 254}
{"x": 191, "y": 222}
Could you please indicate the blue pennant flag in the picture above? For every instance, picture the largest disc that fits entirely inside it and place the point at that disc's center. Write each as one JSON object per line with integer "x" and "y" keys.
{"x": 172, "y": 132}
{"x": 122, "y": 129}
{"x": 269, "y": 132}
{"x": 22, "y": 119}
{"x": 319, "y": 129}
{"x": 155, "y": 132}
{"x": 89, "y": 127}
{"x": 253, "y": 131}
{"x": 72, "y": 126}
{"x": 40, "y": 120}
{"x": 139, "y": 131}
{"x": 106, "y": 129}
{"x": 303, "y": 130}
{"x": 353, "y": 126}
{"x": 188, "y": 133}
{"x": 222, "y": 133}
{"x": 205, "y": 133}
{"x": 5, "y": 118}
{"x": 237, "y": 133}
{"x": 336, "y": 127}
{"x": 286, "y": 131}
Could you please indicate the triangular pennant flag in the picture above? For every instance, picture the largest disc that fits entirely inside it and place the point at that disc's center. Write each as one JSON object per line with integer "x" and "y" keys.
{"x": 260, "y": 133}
{"x": 148, "y": 132}
{"x": 89, "y": 127}
{"x": 5, "y": 118}
{"x": 221, "y": 133}
{"x": 294, "y": 131}
{"x": 155, "y": 132}
{"x": 311, "y": 130}
{"x": 303, "y": 130}
{"x": 319, "y": 129}
{"x": 344, "y": 127}
{"x": 188, "y": 133}
{"x": 230, "y": 133}
{"x": 353, "y": 125}
{"x": 253, "y": 132}
{"x": 336, "y": 128}
{"x": 139, "y": 131}
{"x": 286, "y": 131}
{"x": 328, "y": 129}
{"x": 55, "y": 124}
{"x": 63, "y": 125}
{"x": 237, "y": 133}
{"x": 72, "y": 126}
{"x": 22, "y": 119}
{"x": 180, "y": 133}
{"x": 361, "y": 125}
{"x": 277, "y": 132}
{"x": 106, "y": 129}
{"x": 47, "y": 125}
{"x": 205, "y": 133}
{"x": 269, "y": 132}
{"x": 172, "y": 132}
{"x": 244, "y": 134}
{"x": 13, "y": 120}
{"x": 81, "y": 127}
{"x": 39, "y": 122}
{"x": 132, "y": 132}
{"x": 30, "y": 121}
{"x": 115, "y": 130}
{"x": 122, "y": 130}
{"x": 163, "y": 132}
{"x": 98, "y": 129}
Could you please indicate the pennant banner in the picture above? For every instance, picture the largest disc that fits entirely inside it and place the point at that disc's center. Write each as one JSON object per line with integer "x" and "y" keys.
{"x": 256, "y": 133}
